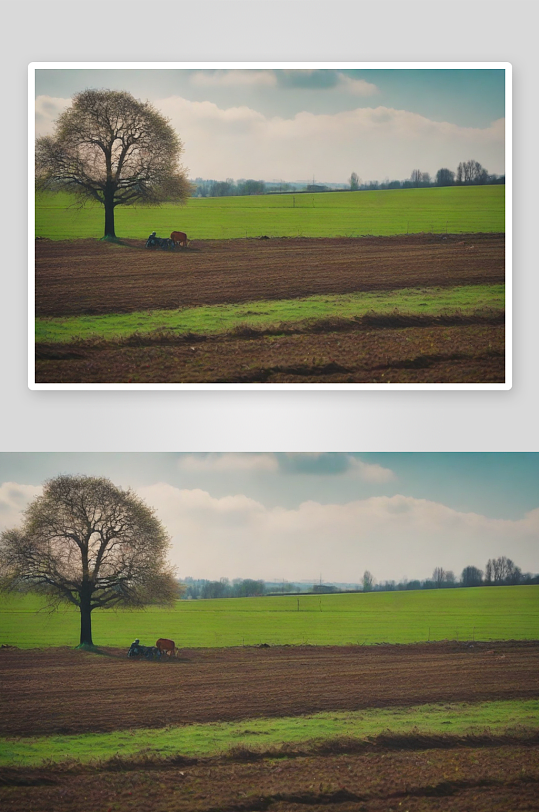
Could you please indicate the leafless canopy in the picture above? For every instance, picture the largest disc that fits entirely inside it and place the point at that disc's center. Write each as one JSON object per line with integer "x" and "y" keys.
{"x": 114, "y": 149}
{"x": 368, "y": 581}
{"x": 90, "y": 543}
{"x": 502, "y": 571}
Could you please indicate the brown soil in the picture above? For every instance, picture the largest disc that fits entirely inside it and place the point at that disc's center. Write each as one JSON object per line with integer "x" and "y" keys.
{"x": 499, "y": 779}
{"x": 90, "y": 276}
{"x": 70, "y": 691}
{"x": 434, "y": 353}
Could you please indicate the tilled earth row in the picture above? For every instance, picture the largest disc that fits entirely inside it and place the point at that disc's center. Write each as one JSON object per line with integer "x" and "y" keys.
{"x": 70, "y": 691}
{"x": 496, "y": 779}
{"x": 93, "y": 277}
{"x": 468, "y": 353}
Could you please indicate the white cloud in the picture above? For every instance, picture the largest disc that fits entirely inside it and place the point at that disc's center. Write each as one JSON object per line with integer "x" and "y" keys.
{"x": 376, "y": 142}
{"x": 371, "y": 472}
{"x": 379, "y": 142}
{"x": 312, "y": 463}
{"x": 48, "y": 109}
{"x": 359, "y": 87}
{"x": 393, "y": 537}
{"x": 269, "y": 78}
{"x": 234, "y": 78}
{"x": 228, "y": 462}
{"x": 199, "y": 503}
{"x": 14, "y": 499}
{"x": 323, "y": 464}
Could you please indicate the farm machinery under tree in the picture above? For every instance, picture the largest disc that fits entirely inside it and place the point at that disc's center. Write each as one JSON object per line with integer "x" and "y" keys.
{"x": 176, "y": 240}
{"x": 163, "y": 648}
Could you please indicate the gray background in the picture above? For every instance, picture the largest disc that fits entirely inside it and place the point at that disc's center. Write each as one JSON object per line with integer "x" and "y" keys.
{"x": 268, "y": 30}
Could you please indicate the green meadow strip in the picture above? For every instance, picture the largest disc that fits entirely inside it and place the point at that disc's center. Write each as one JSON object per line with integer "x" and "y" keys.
{"x": 454, "y": 210}
{"x": 475, "y": 613}
{"x": 222, "y": 318}
{"x": 212, "y": 739}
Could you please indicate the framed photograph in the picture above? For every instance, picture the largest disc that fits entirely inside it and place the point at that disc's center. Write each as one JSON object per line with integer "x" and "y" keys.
{"x": 270, "y": 225}
{"x": 245, "y": 631}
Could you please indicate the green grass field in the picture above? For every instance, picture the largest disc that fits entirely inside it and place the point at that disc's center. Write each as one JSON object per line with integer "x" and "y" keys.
{"x": 263, "y": 314}
{"x": 495, "y": 613}
{"x": 350, "y": 214}
{"x": 219, "y": 737}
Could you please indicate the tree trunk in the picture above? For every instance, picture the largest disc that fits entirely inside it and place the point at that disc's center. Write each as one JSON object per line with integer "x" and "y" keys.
{"x": 109, "y": 214}
{"x": 85, "y": 618}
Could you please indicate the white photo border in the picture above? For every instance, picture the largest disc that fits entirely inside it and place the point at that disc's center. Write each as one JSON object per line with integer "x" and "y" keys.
{"x": 35, "y": 66}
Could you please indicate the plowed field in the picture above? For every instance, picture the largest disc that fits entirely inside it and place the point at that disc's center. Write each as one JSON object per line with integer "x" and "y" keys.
{"x": 90, "y": 277}
{"x": 469, "y": 353}
{"x": 62, "y": 690}
{"x": 68, "y": 691}
{"x": 492, "y": 779}
{"x": 93, "y": 277}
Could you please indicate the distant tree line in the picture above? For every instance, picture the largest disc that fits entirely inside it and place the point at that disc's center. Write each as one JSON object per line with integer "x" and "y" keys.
{"x": 238, "y": 588}
{"x": 229, "y": 187}
{"x": 498, "y": 572}
{"x": 469, "y": 173}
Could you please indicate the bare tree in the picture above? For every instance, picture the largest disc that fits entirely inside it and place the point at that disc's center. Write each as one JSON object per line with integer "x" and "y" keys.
{"x": 514, "y": 576}
{"x": 368, "y": 581}
{"x": 445, "y": 177}
{"x": 471, "y": 172}
{"x": 114, "y": 149}
{"x": 89, "y": 543}
{"x": 354, "y": 182}
{"x": 471, "y": 576}
{"x": 419, "y": 178}
{"x": 438, "y": 576}
{"x": 416, "y": 177}
{"x": 502, "y": 571}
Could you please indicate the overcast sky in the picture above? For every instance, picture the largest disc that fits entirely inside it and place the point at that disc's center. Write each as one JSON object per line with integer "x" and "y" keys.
{"x": 302, "y": 516}
{"x": 298, "y": 124}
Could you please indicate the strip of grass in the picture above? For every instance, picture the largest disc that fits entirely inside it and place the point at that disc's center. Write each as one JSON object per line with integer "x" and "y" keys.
{"x": 350, "y": 214}
{"x": 217, "y": 738}
{"x": 222, "y": 318}
{"x": 490, "y": 613}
